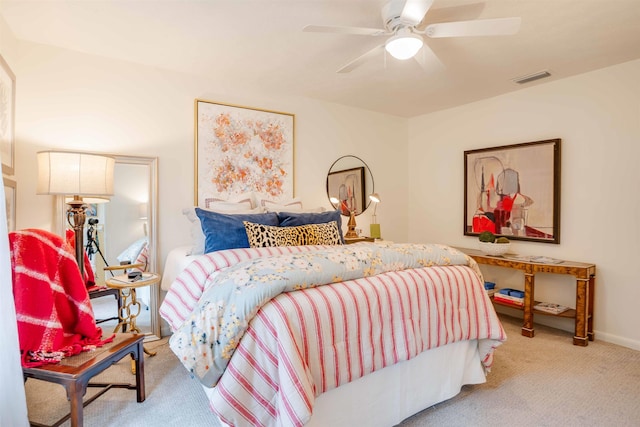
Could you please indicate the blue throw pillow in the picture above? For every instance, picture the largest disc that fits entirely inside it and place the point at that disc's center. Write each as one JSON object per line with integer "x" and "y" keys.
{"x": 290, "y": 219}
{"x": 226, "y": 231}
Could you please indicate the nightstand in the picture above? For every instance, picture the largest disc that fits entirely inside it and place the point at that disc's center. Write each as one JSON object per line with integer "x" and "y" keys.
{"x": 358, "y": 240}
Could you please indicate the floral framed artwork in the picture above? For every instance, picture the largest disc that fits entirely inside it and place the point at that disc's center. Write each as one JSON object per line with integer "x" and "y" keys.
{"x": 7, "y": 117}
{"x": 10, "y": 203}
{"x": 240, "y": 150}
{"x": 348, "y": 187}
{"x": 514, "y": 191}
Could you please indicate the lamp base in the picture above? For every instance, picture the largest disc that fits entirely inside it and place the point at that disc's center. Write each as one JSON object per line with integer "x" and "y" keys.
{"x": 76, "y": 211}
{"x": 374, "y": 231}
{"x": 351, "y": 231}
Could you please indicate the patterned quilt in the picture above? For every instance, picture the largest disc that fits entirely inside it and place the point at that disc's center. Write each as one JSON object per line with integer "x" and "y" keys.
{"x": 386, "y": 303}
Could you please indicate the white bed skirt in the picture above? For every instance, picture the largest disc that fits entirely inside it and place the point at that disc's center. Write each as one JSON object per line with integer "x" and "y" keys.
{"x": 388, "y": 396}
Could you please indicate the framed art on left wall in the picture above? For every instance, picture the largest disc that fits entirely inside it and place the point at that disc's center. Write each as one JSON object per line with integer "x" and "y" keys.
{"x": 240, "y": 150}
{"x": 7, "y": 117}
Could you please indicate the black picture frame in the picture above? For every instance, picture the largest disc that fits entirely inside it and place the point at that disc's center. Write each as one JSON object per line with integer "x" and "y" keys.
{"x": 348, "y": 186}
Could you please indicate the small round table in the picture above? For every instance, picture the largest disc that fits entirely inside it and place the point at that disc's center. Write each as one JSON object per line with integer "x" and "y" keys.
{"x": 127, "y": 287}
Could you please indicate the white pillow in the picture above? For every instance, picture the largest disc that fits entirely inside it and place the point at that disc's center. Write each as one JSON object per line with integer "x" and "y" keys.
{"x": 281, "y": 205}
{"x": 245, "y": 201}
{"x": 288, "y": 208}
{"x": 197, "y": 236}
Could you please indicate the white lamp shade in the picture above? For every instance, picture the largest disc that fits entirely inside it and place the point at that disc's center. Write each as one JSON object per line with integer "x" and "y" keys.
{"x": 78, "y": 174}
{"x": 374, "y": 197}
{"x": 404, "y": 46}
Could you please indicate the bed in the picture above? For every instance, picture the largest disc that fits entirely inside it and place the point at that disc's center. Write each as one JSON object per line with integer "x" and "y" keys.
{"x": 318, "y": 334}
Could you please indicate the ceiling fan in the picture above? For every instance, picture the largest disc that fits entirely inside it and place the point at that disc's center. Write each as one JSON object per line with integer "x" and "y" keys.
{"x": 402, "y": 21}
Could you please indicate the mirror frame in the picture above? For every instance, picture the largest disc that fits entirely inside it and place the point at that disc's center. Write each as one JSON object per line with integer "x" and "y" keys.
{"x": 152, "y": 227}
{"x": 367, "y": 174}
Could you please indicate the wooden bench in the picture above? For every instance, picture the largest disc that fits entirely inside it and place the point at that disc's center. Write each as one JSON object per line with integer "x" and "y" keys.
{"x": 74, "y": 373}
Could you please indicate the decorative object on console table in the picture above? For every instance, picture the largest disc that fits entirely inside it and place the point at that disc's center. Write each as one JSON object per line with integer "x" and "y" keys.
{"x": 240, "y": 150}
{"x": 374, "y": 228}
{"x": 78, "y": 174}
{"x": 585, "y": 275}
{"x": 494, "y": 183}
{"x": 492, "y": 245}
{"x": 7, "y": 117}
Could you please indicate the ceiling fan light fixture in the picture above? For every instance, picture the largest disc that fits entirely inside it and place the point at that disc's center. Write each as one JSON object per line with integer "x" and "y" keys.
{"x": 403, "y": 46}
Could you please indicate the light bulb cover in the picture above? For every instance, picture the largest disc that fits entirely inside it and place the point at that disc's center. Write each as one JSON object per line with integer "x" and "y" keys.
{"x": 404, "y": 46}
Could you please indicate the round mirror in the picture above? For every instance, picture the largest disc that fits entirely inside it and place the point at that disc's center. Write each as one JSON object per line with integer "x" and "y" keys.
{"x": 349, "y": 183}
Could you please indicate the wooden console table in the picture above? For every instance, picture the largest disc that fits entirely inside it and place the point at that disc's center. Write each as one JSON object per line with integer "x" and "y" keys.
{"x": 585, "y": 275}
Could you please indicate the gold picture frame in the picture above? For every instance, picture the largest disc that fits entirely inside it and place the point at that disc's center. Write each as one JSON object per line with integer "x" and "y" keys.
{"x": 7, "y": 117}
{"x": 240, "y": 150}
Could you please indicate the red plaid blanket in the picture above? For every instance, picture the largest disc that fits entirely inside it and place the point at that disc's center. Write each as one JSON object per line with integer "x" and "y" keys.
{"x": 54, "y": 313}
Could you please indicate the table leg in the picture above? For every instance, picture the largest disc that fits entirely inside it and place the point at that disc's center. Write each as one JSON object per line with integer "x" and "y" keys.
{"x": 582, "y": 303}
{"x": 592, "y": 285}
{"x": 529, "y": 285}
{"x": 128, "y": 317}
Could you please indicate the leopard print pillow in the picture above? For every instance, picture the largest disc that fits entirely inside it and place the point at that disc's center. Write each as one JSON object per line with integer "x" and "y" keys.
{"x": 260, "y": 236}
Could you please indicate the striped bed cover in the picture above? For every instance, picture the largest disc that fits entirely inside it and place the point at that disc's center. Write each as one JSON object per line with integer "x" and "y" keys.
{"x": 304, "y": 343}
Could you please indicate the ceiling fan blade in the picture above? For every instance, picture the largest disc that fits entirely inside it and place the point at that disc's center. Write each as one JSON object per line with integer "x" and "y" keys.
{"x": 428, "y": 60}
{"x": 345, "y": 30}
{"x": 479, "y": 27}
{"x": 361, "y": 59}
{"x": 414, "y": 11}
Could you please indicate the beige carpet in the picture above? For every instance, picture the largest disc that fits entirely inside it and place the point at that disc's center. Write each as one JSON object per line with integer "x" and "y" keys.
{"x": 544, "y": 381}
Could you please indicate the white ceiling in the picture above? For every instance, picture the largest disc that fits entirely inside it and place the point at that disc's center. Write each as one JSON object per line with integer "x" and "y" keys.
{"x": 259, "y": 44}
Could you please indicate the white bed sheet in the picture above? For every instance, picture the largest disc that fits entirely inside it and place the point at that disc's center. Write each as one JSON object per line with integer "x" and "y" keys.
{"x": 177, "y": 260}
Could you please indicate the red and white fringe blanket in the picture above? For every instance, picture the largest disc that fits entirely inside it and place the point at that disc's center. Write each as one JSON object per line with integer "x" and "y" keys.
{"x": 54, "y": 313}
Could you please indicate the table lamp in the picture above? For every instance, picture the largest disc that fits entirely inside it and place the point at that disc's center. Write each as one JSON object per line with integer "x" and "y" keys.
{"x": 81, "y": 175}
{"x": 374, "y": 228}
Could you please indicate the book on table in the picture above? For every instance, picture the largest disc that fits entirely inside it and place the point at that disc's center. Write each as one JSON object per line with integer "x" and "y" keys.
{"x": 551, "y": 307}
{"x": 508, "y": 299}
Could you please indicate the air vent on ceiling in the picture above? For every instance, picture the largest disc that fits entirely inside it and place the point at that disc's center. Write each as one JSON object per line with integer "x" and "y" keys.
{"x": 532, "y": 77}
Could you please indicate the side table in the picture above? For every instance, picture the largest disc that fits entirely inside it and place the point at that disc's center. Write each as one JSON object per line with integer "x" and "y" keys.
{"x": 130, "y": 308}
{"x": 75, "y": 372}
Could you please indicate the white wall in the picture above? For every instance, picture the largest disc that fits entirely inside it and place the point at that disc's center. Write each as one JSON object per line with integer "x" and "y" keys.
{"x": 71, "y": 100}
{"x": 597, "y": 116}
{"x": 13, "y": 405}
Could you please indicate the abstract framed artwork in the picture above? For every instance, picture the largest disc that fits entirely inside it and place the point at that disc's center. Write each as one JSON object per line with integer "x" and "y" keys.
{"x": 514, "y": 191}
{"x": 240, "y": 150}
{"x": 348, "y": 187}
{"x": 10, "y": 202}
{"x": 7, "y": 117}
